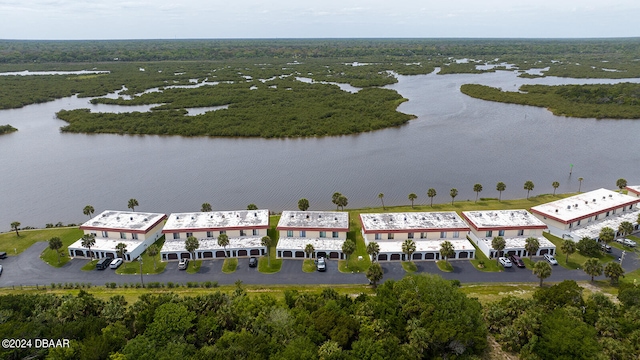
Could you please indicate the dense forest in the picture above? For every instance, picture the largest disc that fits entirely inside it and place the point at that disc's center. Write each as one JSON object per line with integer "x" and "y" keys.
{"x": 418, "y": 317}
{"x": 618, "y": 101}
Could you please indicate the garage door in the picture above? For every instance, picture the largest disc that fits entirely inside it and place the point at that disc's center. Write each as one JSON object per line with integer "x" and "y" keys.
{"x": 416, "y": 256}
{"x": 254, "y": 252}
{"x": 429, "y": 256}
{"x": 463, "y": 255}
{"x": 172, "y": 256}
{"x": 382, "y": 257}
{"x": 242, "y": 252}
{"x": 299, "y": 254}
{"x": 395, "y": 256}
{"x": 185, "y": 255}
{"x": 334, "y": 255}
{"x": 220, "y": 254}
{"x": 287, "y": 254}
{"x": 207, "y": 254}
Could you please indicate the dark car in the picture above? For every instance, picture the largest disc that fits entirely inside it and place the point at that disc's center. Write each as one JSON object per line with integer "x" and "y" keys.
{"x": 103, "y": 263}
{"x": 517, "y": 261}
{"x": 3, "y": 255}
{"x": 253, "y": 262}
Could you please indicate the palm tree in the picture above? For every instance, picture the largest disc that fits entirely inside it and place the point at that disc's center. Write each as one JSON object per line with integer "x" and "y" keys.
{"x": 374, "y": 274}
{"x": 223, "y": 240}
{"x": 408, "y": 247}
{"x": 542, "y": 270}
{"x": 206, "y": 207}
{"x": 580, "y": 180}
{"x": 303, "y": 204}
{"x": 88, "y": 210}
{"x": 498, "y": 244}
{"x": 500, "y": 186}
{"x": 88, "y": 240}
{"x": 412, "y": 197}
{"x": 55, "y": 244}
{"x": 15, "y": 225}
{"x": 528, "y": 185}
{"x": 607, "y": 234}
{"x": 625, "y": 228}
{"x": 613, "y": 271}
{"x": 555, "y": 185}
{"x": 342, "y": 202}
{"x": 334, "y": 199}
{"x": 373, "y": 249}
{"x": 531, "y": 245}
{"x": 266, "y": 242}
{"x": 453, "y": 193}
{"x": 132, "y": 204}
{"x": 446, "y": 250}
{"x": 152, "y": 251}
{"x": 348, "y": 248}
{"x": 621, "y": 184}
{"x": 252, "y": 207}
{"x": 568, "y": 247}
{"x": 381, "y": 196}
{"x": 477, "y": 188}
{"x": 121, "y": 249}
{"x": 593, "y": 267}
{"x": 309, "y": 249}
{"x": 191, "y": 245}
{"x": 431, "y": 193}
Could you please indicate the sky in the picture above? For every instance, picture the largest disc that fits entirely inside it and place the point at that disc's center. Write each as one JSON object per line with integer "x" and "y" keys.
{"x": 191, "y": 19}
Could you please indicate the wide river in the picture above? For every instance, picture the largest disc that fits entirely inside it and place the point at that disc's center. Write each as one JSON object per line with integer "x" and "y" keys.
{"x": 455, "y": 142}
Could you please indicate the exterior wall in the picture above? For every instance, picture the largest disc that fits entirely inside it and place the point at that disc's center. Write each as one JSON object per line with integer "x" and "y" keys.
{"x": 507, "y": 233}
{"x": 585, "y": 221}
{"x": 342, "y": 235}
{"x": 300, "y": 254}
{"x": 400, "y": 236}
{"x": 153, "y": 233}
{"x": 203, "y": 234}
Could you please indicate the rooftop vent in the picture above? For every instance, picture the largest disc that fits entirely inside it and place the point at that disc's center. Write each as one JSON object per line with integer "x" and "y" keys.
{"x": 237, "y": 215}
{"x": 336, "y": 219}
{"x": 104, "y": 215}
{"x": 604, "y": 197}
{"x": 292, "y": 216}
{"x": 405, "y": 218}
{"x": 594, "y": 200}
{"x": 610, "y": 195}
{"x": 307, "y": 216}
{"x": 568, "y": 207}
{"x": 223, "y": 216}
{"x": 117, "y": 217}
{"x": 319, "y": 216}
{"x": 423, "y": 218}
{"x": 255, "y": 214}
{"x": 131, "y": 218}
{"x": 177, "y": 217}
{"x": 556, "y": 210}
{"x": 211, "y": 217}
{"x": 586, "y": 202}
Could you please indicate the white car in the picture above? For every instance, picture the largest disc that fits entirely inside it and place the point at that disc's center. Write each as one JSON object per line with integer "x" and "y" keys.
{"x": 115, "y": 263}
{"x": 550, "y": 259}
{"x": 628, "y": 242}
{"x": 505, "y": 262}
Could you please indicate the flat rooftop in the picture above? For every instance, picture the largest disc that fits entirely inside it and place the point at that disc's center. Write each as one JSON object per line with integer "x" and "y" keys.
{"x": 593, "y": 228}
{"x": 519, "y": 242}
{"x": 212, "y": 244}
{"x": 503, "y": 219}
{"x": 412, "y": 221}
{"x": 107, "y": 245}
{"x": 216, "y": 220}
{"x": 301, "y": 243}
{"x": 123, "y": 220}
{"x": 633, "y": 189}
{"x": 316, "y": 220}
{"x": 584, "y": 205}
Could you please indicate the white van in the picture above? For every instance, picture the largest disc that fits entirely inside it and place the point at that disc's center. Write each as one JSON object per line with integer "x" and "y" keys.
{"x": 115, "y": 263}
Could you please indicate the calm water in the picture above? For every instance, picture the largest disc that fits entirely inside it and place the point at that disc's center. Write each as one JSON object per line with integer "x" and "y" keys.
{"x": 456, "y": 141}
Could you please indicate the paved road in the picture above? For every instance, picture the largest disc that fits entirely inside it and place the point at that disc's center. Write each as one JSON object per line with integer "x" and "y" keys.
{"x": 25, "y": 269}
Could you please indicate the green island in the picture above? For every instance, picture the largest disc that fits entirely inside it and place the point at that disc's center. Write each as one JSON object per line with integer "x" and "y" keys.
{"x": 5, "y": 129}
{"x": 618, "y": 101}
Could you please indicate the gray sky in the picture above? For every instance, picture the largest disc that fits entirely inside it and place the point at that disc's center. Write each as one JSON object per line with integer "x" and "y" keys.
{"x": 164, "y": 19}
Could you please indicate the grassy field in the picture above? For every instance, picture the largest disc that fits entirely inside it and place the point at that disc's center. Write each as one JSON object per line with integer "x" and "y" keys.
{"x": 409, "y": 266}
{"x": 229, "y": 266}
{"x": 444, "y": 266}
{"x": 194, "y": 266}
{"x": 13, "y": 244}
{"x": 90, "y": 265}
{"x": 148, "y": 265}
{"x": 308, "y": 266}
{"x": 576, "y": 260}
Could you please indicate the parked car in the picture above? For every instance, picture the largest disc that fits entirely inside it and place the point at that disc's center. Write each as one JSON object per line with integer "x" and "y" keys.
{"x": 0, "y": 269}
{"x": 253, "y": 262}
{"x": 115, "y": 263}
{"x": 515, "y": 259}
{"x": 103, "y": 263}
{"x": 182, "y": 265}
{"x": 505, "y": 262}
{"x": 628, "y": 242}
{"x": 606, "y": 248}
{"x": 321, "y": 264}
{"x": 550, "y": 259}
{"x": 3, "y": 255}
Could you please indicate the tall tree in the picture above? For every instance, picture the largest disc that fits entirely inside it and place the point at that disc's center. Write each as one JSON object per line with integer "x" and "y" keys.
{"x": 625, "y": 228}
{"x": 607, "y": 235}
{"x": 15, "y": 225}
{"x": 431, "y": 193}
{"x": 381, "y": 197}
{"x": 477, "y": 188}
{"x": 568, "y": 247}
{"x": 374, "y": 274}
{"x": 266, "y": 242}
{"x": 132, "y": 204}
{"x": 223, "y": 240}
{"x": 453, "y": 193}
{"x": 555, "y": 185}
{"x": 88, "y": 240}
{"x": 528, "y": 185}
{"x": 446, "y": 250}
{"x": 613, "y": 271}
{"x": 531, "y": 245}
{"x": 542, "y": 270}
{"x": 88, "y": 210}
{"x": 621, "y": 183}
{"x": 500, "y": 186}
{"x": 580, "y": 180}
{"x": 121, "y": 249}
{"x": 412, "y": 197}
{"x": 592, "y": 267}
{"x": 342, "y": 202}
{"x": 152, "y": 251}
{"x": 348, "y": 248}
{"x": 498, "y": 244}
{"x": 373, "y": 249}
{"x": 206, "y": 207}
{"x": 252, "y": 207}
{"x": 309, "y": 249}
{"x": 55, "y": 244}
{"x": 334, "y": 199}
{"x": 191, "y": 244}
{"x": 303, "y": 204}
{"x": 408, "y": 247}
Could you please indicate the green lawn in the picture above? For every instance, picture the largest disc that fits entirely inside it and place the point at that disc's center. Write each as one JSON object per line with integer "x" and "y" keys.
{"x": 576, "y": 259}
{"x": 90, "y": 266}
{"x": 308, "y": 266}
{"x": 488, "y": 265}
{"x": 263, "y": 262}
{"x": 444, "y": 266}
{"x": 68, "y": 237}
{"x": 133, "y": 267}
{"x": 229, "y": 266}
{"x": 194, "y": 266}
{"x": 409, "y": 266}
{"x": 13, "y": 245}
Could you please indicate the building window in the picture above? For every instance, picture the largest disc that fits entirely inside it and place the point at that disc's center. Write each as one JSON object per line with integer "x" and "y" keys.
{"x": 289, "y": 233}
{"x": 222, "y": 232}
{"x": 123, "y": 235}
{"x": 209, "y": 234}
{"x": 614, "y": 211}
{"x": 390, "y": 236}
{"x": 589, "y": 220}
{"x": 423, "y": 235}
{"x": 500, "y": 232}
{"x": 323, "y": 234}
{"x": 189, "y": 234}
{"x": 607, "y": 213}
{"x": 176, "y": 236}
{"x": 578, "y": 224}
{"x": 456, "y": 234}
{"x": 488, "y": 233}
{"x": 570, "y": 225}
{"x": 335, "y": 234}
{"x": 443, "y": 234}
{"x": 256, "y": 232}
{"x": 134, "y": 236}
{"x": 521, "y": 232}
{"x": 303, "y": 233}
{"x": 242, "y": 233}
{"x": 377, "y": 236}
{"x": 410, "y": 236}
